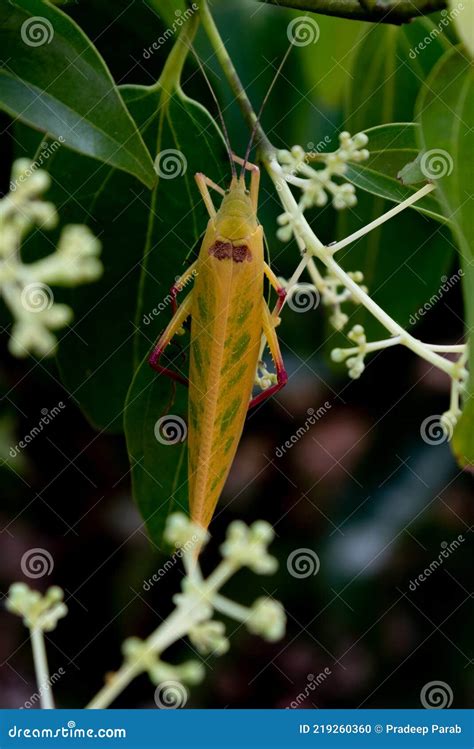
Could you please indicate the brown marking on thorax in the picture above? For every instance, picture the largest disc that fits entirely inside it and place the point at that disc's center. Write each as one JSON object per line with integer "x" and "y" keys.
{"x": 222, "y": 250}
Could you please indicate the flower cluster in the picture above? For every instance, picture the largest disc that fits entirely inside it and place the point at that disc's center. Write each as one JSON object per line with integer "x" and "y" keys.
{"x": 200, "y": 597}
{"x": 38, "y": 611}
{"x": 354, "y": 356}
{"x": 138, "y": 651}
{"x": 318, "y": 185}
{"x": 25, "y": 286}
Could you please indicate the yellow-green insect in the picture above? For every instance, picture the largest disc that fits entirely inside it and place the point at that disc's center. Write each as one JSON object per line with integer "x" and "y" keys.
{"x": 228, "y": 317}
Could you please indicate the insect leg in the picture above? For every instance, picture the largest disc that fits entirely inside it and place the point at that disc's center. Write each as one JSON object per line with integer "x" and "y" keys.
{"x": 203, "y": 184}
{"x": 254, "y": 179}
{"x": 280, "y": 290}
{"x": 176, "y": 322}
{"x": 268, "y": 325}
{"x": 180, "y": 282}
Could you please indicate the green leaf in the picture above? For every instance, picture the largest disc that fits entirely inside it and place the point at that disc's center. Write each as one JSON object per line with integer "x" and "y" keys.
{"x": 186, "y": 140}
{"x": 96, "y": 357}
{"x": 404, "y": 260}
{"x": 157, "y": 449}
{"x": 391, "y": 146}
{"x": 54, "y": 79}
{"x": 446, "y": 114}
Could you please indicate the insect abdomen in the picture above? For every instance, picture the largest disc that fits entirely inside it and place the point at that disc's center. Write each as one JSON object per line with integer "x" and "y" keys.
{"x": 225, "y": 338}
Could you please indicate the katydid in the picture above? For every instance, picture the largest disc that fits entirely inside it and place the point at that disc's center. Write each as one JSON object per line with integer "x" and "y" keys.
{"x": 229, "y": 318}
{"x": 229, "y": 315}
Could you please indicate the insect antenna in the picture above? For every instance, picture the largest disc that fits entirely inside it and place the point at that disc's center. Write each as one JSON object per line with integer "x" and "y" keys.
{"x": 219, "y": 112}
{"x": 262, "y": 107}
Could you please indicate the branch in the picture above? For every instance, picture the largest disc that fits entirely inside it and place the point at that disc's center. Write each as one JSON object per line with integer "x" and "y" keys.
{"x": 377, "y": 11}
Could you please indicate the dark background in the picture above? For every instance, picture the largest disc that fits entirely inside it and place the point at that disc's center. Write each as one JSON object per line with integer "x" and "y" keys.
{"x": 361, "y": 488}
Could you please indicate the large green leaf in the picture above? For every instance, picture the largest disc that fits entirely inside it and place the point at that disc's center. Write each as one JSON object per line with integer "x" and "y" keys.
{"x": 186, "y": 140}
{"x": 391, "y": 147}
{"x": 446, "y": 114}
{"x": 54, "y": 79}
{"x": 404, "y": 260}
{"x": 156, "y": 429}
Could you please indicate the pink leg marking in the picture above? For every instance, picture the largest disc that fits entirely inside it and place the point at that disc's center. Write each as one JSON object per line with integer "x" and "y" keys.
{"x": 282, "y": 380}
{"x": 153, "y": 361}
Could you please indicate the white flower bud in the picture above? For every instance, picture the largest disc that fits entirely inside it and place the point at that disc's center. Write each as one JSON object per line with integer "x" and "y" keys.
{"x": 267, "y": 619}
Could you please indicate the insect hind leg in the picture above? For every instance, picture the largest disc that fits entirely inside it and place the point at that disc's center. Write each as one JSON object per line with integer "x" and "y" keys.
{"x": 176, "y": 322}
{"x": 268, "y": 325}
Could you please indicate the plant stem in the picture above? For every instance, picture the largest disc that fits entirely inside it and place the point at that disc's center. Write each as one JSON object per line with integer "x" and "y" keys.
{"x": 178, "y": 624}
{"x": 231, "y": 74}
{"x": 305, "y": 236}
{"x": 41, "y": 669}
{"x": 391, "y": 11}
{"x": 171, "y": 630}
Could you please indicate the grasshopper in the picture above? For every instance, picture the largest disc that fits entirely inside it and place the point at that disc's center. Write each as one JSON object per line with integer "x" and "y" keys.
{"x": 229, "y": 315}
